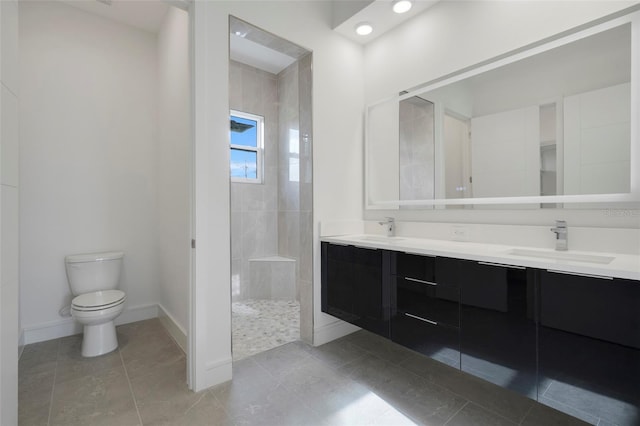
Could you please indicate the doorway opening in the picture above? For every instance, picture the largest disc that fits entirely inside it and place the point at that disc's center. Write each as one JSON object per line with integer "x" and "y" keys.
{"x": 271, "y": 190}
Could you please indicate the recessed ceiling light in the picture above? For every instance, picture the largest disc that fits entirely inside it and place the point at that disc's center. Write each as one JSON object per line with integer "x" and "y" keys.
{"x": 401, "y": 6}
{"x": 364, "y": 28}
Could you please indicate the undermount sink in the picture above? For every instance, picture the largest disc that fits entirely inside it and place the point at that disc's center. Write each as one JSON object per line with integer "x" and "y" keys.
{"x": 559, "y": 255}
{"x": 380, "y": 238}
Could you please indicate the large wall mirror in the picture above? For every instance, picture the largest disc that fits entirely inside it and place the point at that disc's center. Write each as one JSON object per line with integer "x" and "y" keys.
{"x": 555, "y": 124}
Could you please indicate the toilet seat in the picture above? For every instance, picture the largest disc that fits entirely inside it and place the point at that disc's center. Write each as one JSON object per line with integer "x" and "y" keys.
{"x": 98, "y": 300}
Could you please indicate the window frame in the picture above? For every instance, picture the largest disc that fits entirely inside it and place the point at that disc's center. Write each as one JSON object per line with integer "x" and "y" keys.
{"x": 258, "y": 149}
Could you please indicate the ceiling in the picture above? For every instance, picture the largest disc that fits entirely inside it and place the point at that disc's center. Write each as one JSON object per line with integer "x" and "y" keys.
{"x": 149, "y": 14}
{"x": 143, "y": 14}
{"x": 380, "y": 15}
{"x": 261, "y": 49}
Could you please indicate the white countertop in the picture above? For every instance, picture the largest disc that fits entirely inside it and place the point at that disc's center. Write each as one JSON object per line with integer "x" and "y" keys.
{"x": 622, "y": 266}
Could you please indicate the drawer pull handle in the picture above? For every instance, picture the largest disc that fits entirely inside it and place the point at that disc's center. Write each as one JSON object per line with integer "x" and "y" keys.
{"x": 603, "y": 277}
{"x": 500, "y": 265}
{"x": 421, "y": 319}
{"x": 415, "y": 280}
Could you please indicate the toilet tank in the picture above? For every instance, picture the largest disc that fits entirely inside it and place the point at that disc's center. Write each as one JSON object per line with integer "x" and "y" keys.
{"x": 91, "y": 272}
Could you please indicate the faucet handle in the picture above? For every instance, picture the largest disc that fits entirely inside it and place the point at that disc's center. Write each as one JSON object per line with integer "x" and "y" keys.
{"x": 561, "y": 227}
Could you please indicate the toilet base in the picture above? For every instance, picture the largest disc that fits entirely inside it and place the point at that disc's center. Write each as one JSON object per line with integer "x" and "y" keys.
{"x": 99, "y": 339}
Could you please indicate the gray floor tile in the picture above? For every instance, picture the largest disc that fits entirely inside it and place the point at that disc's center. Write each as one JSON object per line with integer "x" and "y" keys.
{"x": 361, "y": 379}
{"x": 492, "y": 397}
{"x": 351, "y": 404}
{"x": 140, "y": 329}
{"x": 409, "y": 393}
{"x": 33, "y": 406}
{"x": 163, "y": 397}
{"x": 334, "y": 398}
{"x": 393, "y": 417}
{"x": 541, "y": 415}
{"x": 135, "y": 346}
{"x": 100, "y": 399}
{"x": 279, "y": 407}
{"x": 39, "y": 353}
{"x": 239, "y": 397}
{"x": 371, "y": 371}
{"x": 609, "y": 408}
{"x": 382, "y": 347}
{"x": 337, "y": 353}
{"x": 140, "y": 363}
{"x": 585, "y": 417}
{"x": 72, "y": 365}
{"x": 473, "y": 415}
{"x": 282, "y": 360}
{"x": 205, "y": 411}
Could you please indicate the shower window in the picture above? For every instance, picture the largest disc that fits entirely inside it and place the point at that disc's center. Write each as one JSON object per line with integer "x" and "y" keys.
{"x": 246, "y": 144}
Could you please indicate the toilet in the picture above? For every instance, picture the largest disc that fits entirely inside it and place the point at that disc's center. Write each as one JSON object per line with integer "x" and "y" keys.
{"x": 93, "y": 280}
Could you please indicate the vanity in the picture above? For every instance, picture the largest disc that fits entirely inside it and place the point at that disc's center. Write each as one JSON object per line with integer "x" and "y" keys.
{"x": 562, "y": 331}
{"x": 539, "y": 130}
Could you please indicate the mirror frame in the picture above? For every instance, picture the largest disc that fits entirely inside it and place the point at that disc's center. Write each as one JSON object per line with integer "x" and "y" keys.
{"x": 633, "y": 196}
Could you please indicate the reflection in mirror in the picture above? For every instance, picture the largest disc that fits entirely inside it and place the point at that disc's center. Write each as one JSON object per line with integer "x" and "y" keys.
{"x": 554, "y": 123}
{"x": 457, "y": 157}
{"x": 417, "y": 167}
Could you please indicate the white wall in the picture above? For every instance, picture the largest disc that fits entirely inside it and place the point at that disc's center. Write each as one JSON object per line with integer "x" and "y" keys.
{"x": 456, "y": 34}
{"x": 597, "y": 132}
{"x": 505, "y": 153}
{"x": 9, "y": 191}
{"x": 87, "y": 163}
{"x": 337, "y": 153}
{"x": 174, "y": 166}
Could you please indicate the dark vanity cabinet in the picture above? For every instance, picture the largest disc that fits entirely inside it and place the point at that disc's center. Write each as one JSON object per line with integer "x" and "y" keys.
{"x": 425, "y": 313}
{"x": 589, "y": 345}
{"x": 569, "y": 341}
{"x": 497, "y": 322}
{"x": 356, "y": 286}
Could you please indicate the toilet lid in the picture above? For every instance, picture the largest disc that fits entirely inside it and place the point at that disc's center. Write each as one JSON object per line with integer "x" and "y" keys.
{"x": 98, "y": 300}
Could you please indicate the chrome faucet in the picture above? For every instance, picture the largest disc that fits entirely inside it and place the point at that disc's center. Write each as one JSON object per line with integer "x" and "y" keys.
{"x": 390, "y": 223}
{"x": 562, "y": 235}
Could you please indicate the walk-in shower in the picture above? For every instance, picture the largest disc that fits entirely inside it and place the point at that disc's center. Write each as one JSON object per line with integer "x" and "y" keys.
{"x": 271, "y": 190}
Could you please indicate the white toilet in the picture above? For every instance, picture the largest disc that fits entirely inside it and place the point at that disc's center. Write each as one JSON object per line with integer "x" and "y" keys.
{"x": 93, "y": 279}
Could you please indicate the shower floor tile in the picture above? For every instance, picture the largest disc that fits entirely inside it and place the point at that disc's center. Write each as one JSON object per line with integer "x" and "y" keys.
{"x": 260, "y": 325}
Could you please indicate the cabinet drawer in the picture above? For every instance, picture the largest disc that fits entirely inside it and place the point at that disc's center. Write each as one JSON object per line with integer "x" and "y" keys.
{"x": 431, "y": 301}
{"x": 606, "y": 309}
{"x": 414, "y": 266}
{"x": 439, "y": 342}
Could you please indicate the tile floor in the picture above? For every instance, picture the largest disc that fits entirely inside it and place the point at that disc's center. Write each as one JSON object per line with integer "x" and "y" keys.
{"x": 260, "y": 325}
{"x": 361, "y": 379}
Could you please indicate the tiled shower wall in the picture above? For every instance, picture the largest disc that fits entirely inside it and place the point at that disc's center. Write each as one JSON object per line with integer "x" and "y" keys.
{"x": 275, "y": 218}
{"x": 295, "y": 194}
{"x": 254, "y": 207}
{"x": 416, "y": 149}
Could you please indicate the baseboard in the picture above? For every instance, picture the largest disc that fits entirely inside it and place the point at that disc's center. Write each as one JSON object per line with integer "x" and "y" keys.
{"x": 68, "y": 327}
{"x": 332, "y": 331}
{"x": 173, "y": 328}
{"x": 215, "y": 373}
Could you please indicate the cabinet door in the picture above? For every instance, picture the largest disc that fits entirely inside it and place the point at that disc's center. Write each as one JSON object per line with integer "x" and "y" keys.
{"x": 497, "y": 324}
{"x": 338, "y": 291}
{"x": 589, "y": 356}
{"x": 353, "y": 288}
